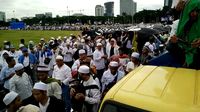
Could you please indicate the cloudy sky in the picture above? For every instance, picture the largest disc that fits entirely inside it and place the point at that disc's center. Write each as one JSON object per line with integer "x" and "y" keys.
{"x": 23, "y": 8}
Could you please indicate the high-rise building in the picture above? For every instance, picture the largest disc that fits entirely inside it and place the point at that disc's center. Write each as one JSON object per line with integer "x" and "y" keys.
{"x": 39, "y": 15}
{"x": 109, "y": 8}
{"x": 99, "y": 10}
{"x": 128, "y": 7}
{"x": 168, "y": 3}
{"x": 2, "y": 16}
{"x": 48, "y": 15}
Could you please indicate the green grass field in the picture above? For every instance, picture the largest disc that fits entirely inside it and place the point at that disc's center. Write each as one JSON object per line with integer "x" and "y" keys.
{"x": 15, "y": 36}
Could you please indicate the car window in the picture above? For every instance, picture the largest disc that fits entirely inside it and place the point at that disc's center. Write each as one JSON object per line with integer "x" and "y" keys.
{"x": 118, "y": 107}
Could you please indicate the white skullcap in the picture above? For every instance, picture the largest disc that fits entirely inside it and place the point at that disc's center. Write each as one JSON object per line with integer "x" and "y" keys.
{"x": 161, "y": 45}
{"x": 82, "y": 41}
{"x": 42, "y": 39}
{"x": 67, "y": 43}
{"x": 114, "y": 64}
{"x": 99, "y": 44}
{"x": 112, "y": 39}
{"x": 29, "y": 108}
{"x": 75, "y": 43}
{"x": 52, "y": 38}
{"x": 84, "y": 69}
{"x": 43, "y": 69}
{"x": 21, "y": 45}
{"x": 10, "y": 97}
{"x": 71, "y": 34}
{"x": 18, "y": 66}
{"x": 31, "y": 42}
{"x": 59, "y": 38}
{"x": 59, "y": 57}
{"x": 89, "y": 38}
{"x": 51, "y": 41}
{"x": 82, "y": 51}
{"x": 99, "y": 40}
{"x": 40, "y": 86}
{"x": 135, "y": 55}
{"x": 64, "y": 37}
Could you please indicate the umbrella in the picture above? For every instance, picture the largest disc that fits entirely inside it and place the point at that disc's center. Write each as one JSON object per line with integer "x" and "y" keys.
{"x": 143, "y": 36}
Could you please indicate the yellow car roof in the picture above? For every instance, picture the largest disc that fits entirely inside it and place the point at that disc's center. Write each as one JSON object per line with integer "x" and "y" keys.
{"x": 162, "y": 89}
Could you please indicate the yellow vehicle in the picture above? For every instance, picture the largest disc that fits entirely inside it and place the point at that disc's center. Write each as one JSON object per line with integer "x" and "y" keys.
{"x": 158, "y": 89}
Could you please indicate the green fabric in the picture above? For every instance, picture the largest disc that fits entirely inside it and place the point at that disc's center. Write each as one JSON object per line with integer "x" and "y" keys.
{"x": 194, "y": 32}
{"x": 50, "y": 80}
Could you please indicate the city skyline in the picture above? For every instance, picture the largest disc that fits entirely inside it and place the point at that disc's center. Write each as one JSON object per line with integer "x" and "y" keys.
{"x": 28, "y": 8}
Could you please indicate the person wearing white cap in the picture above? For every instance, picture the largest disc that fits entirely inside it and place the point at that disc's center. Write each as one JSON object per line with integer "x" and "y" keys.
{"x": 83, "y": 59}
{"x": 46, "y": 103}
{"x": 53, "y": 87}
{"x": 99, "y": 60}
{"x": 146, "y": 55}
{"x": 92, "y": 93}
{"x": 134, "y": 63}
{"x": 29, "y": 108}
{"x": 62, "y": 73}
{"x": 68, "y": 55}
{"x": 111, "y": 77}
{"x": 7, "y": 72}
{"x": 12, "y": 101}
{"x": 112, "y": 48}
{"x": 14, "y": 53}
{"x": 21, "y": 83}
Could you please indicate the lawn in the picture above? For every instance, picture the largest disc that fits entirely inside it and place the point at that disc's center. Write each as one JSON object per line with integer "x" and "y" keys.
{"x": 15, "y": 36}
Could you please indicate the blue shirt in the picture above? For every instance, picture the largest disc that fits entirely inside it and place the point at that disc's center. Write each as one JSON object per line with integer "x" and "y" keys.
{"x": 6, "y": 71}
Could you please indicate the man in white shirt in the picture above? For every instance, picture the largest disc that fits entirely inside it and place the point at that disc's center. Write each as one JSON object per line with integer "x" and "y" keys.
{"x": 68, "y": 55}
{"x": 14, "y": 53}
{"x": 83, "y": 59}
{"x": 111, "y": 77}
{"x": 134, "y": 63}
{"x": 62, "y": 73}
{"x": 21, "y": 82}
{"x": 12, "y": 101}
{"x": 46, "y": 103}
{"x": 91, "y": 97}
{"x": 99, "y": 60}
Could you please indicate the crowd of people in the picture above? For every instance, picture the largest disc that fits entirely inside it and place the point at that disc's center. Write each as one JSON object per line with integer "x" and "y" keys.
{"x": 76, "y": 72}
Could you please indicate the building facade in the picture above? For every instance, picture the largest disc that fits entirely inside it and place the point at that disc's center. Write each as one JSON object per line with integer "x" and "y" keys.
{"x": 39, "y": 15}
{"x": 48, "y": 15}
{"x": 2, "y": 16}
{"x": 99, "y": 10}
{"x": 109, "y": 8}
{"x": 128, "y": 7}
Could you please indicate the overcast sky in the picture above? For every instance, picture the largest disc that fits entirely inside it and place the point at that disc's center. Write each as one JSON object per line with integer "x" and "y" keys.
{"x": 24, "y": 8}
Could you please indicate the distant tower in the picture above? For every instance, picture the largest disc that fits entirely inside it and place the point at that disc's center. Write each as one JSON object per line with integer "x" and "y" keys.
{"x": 128, "y": 6}
{"x": 99, "y": 10}
{"x": 109, "y": 8}
{"x": 2, "y": 16}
